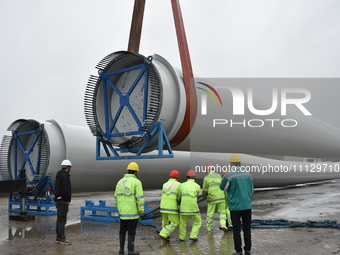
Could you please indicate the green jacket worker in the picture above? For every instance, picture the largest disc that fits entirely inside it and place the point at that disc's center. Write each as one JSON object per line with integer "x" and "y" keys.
{"x": 169, "y": 205}
{"x": 239, "y": 185}
{"x": 189, "y": 192}
{"x": 129, "y": 198}
{"x": 215, "y": 198}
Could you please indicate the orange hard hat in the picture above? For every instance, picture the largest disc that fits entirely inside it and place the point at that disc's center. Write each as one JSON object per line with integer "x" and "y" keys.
{"x": 191, "y": 173}
{"x": 174, "y": 174}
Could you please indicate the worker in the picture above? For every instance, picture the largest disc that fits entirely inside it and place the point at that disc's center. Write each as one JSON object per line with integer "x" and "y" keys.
{"x": 62, "y": 200}
{"x": 169, "y": 205}
{"x": 129, "y": 198}
{"x": 239, "y": 185}
{"x": 215, "y": 198}
{"x": 229, "y": 223}
{"x": 189, "y": 192}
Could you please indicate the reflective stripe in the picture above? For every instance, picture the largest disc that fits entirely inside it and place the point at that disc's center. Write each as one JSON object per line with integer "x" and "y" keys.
{"x": 191, "y": 212}
{"x": 204, "y": 190}
{"x": 123, "y": 194}
{"x": 140, "y": 197}
{"x": 167, "y": 230}
{"x": 222, "y": 213}
{"x": 210, "y": 217}
{"x": 128, "y": 215}
{"x": 219, "y": 199}
{"x": 226, "y": 188}
{"x": 172, "y": 225}
{"x": 169, "y": 210}
{"x": 214, "y": 184}
{"x": 172, "y": 193}
{"x": 187, "y": 195}
{"x": 139, "y": 205}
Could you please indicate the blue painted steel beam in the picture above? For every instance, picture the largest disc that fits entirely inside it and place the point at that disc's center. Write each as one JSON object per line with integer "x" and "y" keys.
{"x": 156, "y": 129}
{"x": 26, "y": 153}
{"x": 124, "y": 98}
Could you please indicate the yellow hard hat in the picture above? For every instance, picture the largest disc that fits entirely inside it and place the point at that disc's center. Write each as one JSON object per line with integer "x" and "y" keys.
{"x": 235, "y": 158}
{"x": 133, "y": 166}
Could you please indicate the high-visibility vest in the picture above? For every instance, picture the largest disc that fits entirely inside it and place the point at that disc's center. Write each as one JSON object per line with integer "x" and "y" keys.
{"x": 129, "y": 197}
{"x": 211, "y": 188}
{"x": 189, "y": 192}
{"x": 170, "y": 196}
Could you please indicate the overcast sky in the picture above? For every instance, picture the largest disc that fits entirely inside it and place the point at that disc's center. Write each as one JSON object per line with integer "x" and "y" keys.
{"x": 48, "y": 49}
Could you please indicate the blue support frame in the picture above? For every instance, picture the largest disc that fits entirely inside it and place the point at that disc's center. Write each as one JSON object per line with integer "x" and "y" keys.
{"x": 124, "y": 100}
{"x": 27, "y": 160}
{"x": 107, "y": 213}
{"x": 114, "y": 153}
{"x": 43, "y": 184}
{"x": 32, "y": 206}
{"x": 102, "y": 140}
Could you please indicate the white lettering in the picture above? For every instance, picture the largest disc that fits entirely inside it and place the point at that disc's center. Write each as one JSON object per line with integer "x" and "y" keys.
{"x": 295, "y": 122}
{"x": 256, "y": 122}
{"x": 298, "y": 102}
{"x": 219, "y": 122}
{"x": 262, "y": 112}
{"x": 238, "y": 101}
{"x": 261, "y": 121}
{"x": 272, "y": 121}
{"x": 204, "y": 104}
{"x": 238, "y": 123}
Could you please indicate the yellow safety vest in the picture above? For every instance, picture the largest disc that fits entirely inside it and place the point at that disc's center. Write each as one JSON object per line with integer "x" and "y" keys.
{"x": 129, "y": 197}
{"x": 170, "y": 196}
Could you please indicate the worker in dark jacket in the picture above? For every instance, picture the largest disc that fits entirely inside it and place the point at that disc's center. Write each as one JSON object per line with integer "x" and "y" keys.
{"x": 62, "y": 200}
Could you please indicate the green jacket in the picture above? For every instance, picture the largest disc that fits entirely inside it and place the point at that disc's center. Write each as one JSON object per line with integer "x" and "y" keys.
{"x": 239, "y": 185}
{"x": 211, "y": 188}
{"x": 129, "y": 197}
{"x": 189, "y": 192}
{"x": 170, "y": 196}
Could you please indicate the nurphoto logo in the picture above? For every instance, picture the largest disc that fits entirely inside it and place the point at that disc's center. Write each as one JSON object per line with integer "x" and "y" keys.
{"x": 280, "y": 99}
{"x": 204, "y": 97}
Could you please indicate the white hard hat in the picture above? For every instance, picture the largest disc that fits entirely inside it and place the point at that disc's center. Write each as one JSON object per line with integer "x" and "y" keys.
{"x": 66, "y": 163}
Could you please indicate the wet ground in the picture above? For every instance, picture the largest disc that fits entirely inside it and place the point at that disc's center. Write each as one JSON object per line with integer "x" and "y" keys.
{"x": 309, "y": 202}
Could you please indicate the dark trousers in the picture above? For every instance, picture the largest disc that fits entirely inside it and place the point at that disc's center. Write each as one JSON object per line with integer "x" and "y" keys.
{"x": 62, "y": 209}
{"x": 129, "y": 226}
{"x": 236, "y": 218}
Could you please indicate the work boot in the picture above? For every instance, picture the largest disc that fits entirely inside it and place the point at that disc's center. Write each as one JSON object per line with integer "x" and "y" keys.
{"x": 65, "y": 242}
{"x": 237, "y": 253}
{"x": 121, "y": 243}
{"x": 224, "y": 228}
{"x": 131, "y": 245}
{"x": 167, "y": 239}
